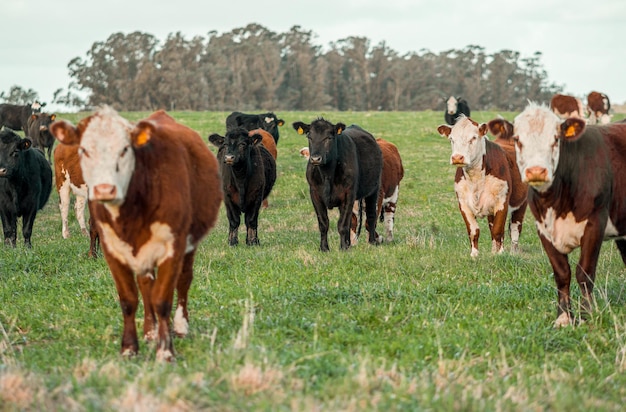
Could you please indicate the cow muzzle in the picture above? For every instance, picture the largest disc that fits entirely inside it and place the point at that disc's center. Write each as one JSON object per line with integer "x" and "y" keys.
{"x": 104, "y": 192}
{"x": 536, "y": 175}
{"x": 229, "y": 160}
{"x": 3, "y": 172}
{"x": 458, "y": 160}
{"x": 315, "y": 160}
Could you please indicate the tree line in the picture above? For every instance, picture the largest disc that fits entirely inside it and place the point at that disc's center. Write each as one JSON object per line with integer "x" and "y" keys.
{"x": 252, "y": 68}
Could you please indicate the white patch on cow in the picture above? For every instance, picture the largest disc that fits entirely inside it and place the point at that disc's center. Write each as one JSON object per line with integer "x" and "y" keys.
{"x": 191, "y": 245}
{"x": 164, "y": 355}
{"x": 127, "y": 353}
{"x": 155, "y": 251}
{"x": 481, "y": 197}
{"x": 106, "y": 154}
{"x": 268, "y": 119}
{"x": 537, "y": 128}
{"x": 515, "y": 233}
{"x": 605, "y": 119}
{"x": 181, "y": 326}
{"x": 564, "y": 233}
{"x": 563, "y": 320}
{"x": 151, "y": 334}
{"x": 452, "y": 105}
{"x": 494, "y": 247}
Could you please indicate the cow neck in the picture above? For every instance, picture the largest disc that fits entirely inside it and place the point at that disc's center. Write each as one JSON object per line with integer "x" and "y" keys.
{"x": 475, "y": 171}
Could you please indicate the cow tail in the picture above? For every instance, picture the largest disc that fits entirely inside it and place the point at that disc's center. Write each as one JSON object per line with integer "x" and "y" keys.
{"x": 358, "y": 231}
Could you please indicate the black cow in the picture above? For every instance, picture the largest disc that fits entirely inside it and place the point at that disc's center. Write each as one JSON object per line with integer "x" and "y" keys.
{"x": 15, "y": 116}
{"x": 25, "y": 184}
{"x": 38, "y": 131}
{"x": 248, "y": 175}
{"x": 266, "y": 121}
{"x": 455, "y": 107}
{"x": 345, "y": 164}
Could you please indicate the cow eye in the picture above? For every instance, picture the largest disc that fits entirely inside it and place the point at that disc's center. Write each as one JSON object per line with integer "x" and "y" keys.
{"x": 82, "y": 152}
{"x": 124, "y": 150}
{"x": 15, "y": 153}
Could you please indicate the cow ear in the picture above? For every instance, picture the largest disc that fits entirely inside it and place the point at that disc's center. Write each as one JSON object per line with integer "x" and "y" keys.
{"x": 65, "y": 132}
{"x": 572, "y": 129}
{"x": 301, "y": 128}
{"x": 53, "y": 116}
{"x": 216, "y": 140}
{"x": 256, "y": 138}
{"x": 142, "y": 133}
{"x": 496, "y": 127}
{"x": 33, "y": 116}
{"x": 340, "y": 127}
{"x": 280, "y": 122}
{"x": 25, "y": 144}
{"x": 482, "y": 129}
{"x": 444, "y": 130}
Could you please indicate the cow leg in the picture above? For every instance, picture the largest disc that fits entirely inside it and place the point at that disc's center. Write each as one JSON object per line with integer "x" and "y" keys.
{"x": 497, "y": 224}
{"x": 371, "y": 214}
{"x": 252, "y": 223}
{"x": 473, "y": 230}
{"x": 515, "y": 226}
{"x": 181, "y": 317}
{"x": 9, "y": 226}
{"x": 162, "y": 298}
{"x": 562, "y": 277}
{"x": 234, "y": 220}
{"x": 79, "y": 210}
{"x": 64, "y": 207}
{"x": 388, "y": 213}
{"x": 590, "y": 247}
{"x": 146, "y": 282}
{"x": 344, "y": 224}
{"x": 322, "y": 220}
{"x": 128, "y": 297}
{"x": 28, "y": 220}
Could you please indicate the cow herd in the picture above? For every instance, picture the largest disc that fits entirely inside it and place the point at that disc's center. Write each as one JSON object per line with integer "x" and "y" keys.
{"x": 154, "y": 190}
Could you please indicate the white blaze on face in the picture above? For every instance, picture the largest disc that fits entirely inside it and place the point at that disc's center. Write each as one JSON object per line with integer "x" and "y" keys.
{"x": 106, "y": 154}
{"x": 467, "y": 142}
{"x": 452, "y": 104}
{"x": 537, "y": 129}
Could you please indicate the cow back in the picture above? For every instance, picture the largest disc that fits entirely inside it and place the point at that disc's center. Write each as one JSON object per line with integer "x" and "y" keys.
{"x": 369, "y": 159}
{"x": 393, "y": 171}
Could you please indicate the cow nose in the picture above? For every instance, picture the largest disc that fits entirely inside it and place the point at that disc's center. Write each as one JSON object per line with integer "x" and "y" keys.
{"x": 229, "y": 159}
{"x": 104, "y": 192}
{"x": 536, "y": 174}
{"x": 457, "y": 159}
{"x": 316, "y": 160}
{"x": 3, "y": 171}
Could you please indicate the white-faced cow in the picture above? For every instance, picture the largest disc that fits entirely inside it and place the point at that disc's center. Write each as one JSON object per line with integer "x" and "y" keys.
{"x": 15, "y": 116}
{"x": 25, "y": 185}
{"x": 483, "y": 183}
{"x": 455, "y": 107}
{"x": 266, "y": 121}
{"x": 566, "y": 106}
{"x": 598, "y": 106}
{"x": 345, "y": 165}
{"x": 39, "y": 132}
{"x": 154, "y": 193}
{"x": 248, "y": 175}
{"x": 577, "y": 192}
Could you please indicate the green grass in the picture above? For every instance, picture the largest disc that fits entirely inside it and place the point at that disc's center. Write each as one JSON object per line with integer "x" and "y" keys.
{"x": 413, "y": 325}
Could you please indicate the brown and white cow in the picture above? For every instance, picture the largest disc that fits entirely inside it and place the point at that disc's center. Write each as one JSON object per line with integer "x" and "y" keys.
{"x": 483, "y": 183}
{"x": 392, "y": 174}
{"x": 598, "y": 106}
{"x": 566, "y": 106}
{"x": 577, "y": 189}
{"x": 154, "y": 193}
{"x": 68, "y": 177}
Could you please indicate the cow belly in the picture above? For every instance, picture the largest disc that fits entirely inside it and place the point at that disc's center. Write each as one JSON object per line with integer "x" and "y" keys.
{"x": 564, "y": 233}
{"x": 155, "y": 251}
{"x": 482, "y": 198}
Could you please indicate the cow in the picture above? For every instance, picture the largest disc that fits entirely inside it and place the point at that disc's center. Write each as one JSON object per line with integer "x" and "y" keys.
{"x": 154, "y": 194}
{"x": 39, "y": 132}
{"x": 577, "y": 188}
{"x": 266, "y": 121}
{"x": 483, "y": 183}
{"x": 25, "y": 185}
{"x": 345, "y": 165}
{"x": 269, "y": 143}
{"x": 248, "y": 173}
{"x": 392, "y": 174}
{"x": 598, "y": 106}
{"x": 566, "y": 106}
{"x": 455, "y": 107}
{"x": 15, "y": 116}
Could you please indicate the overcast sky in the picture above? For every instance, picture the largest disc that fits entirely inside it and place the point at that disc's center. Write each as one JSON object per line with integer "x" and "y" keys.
{"x": 582, "y": 42}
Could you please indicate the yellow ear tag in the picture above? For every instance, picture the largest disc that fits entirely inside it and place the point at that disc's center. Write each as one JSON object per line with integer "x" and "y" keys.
{"x": 300, "y": 130}
{"x": 571, "y": 131}
{"x": 54, "y": 116}
{"x": 339, "y": 130}
{"x": 142, "y": 138}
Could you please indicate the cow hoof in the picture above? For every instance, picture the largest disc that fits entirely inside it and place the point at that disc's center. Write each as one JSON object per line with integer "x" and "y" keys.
{"x": 563, "y": 320}
{"x": 128, "y": 353}
{"x": 164, "y": 355}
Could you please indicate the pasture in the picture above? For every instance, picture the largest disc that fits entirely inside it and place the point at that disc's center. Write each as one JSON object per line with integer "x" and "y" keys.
{"x": 412, "y": 325}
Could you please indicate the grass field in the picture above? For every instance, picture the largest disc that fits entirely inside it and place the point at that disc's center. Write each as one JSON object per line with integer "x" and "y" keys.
{"x": 412, "y": 325}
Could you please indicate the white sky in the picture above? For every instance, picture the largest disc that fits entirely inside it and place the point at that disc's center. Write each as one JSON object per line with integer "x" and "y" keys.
{"x": 582, "y": 41}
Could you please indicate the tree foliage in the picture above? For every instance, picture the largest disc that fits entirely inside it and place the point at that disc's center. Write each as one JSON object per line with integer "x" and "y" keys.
{"x": 253, "y": 68}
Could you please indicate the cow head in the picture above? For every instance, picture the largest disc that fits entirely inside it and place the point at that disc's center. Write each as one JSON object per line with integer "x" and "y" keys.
{"x": 322, "y": 137}
{"x": 271, "y": 122}
{"x": 501, "y": 129}
{"x": 236, "y": 145}
{"x": 537, "y": 144}
{"x": 452, "y": 104}
{"x": 468, "y": 141}
{"x": 107, "y": 144}
{"x": 12, "y": 146}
